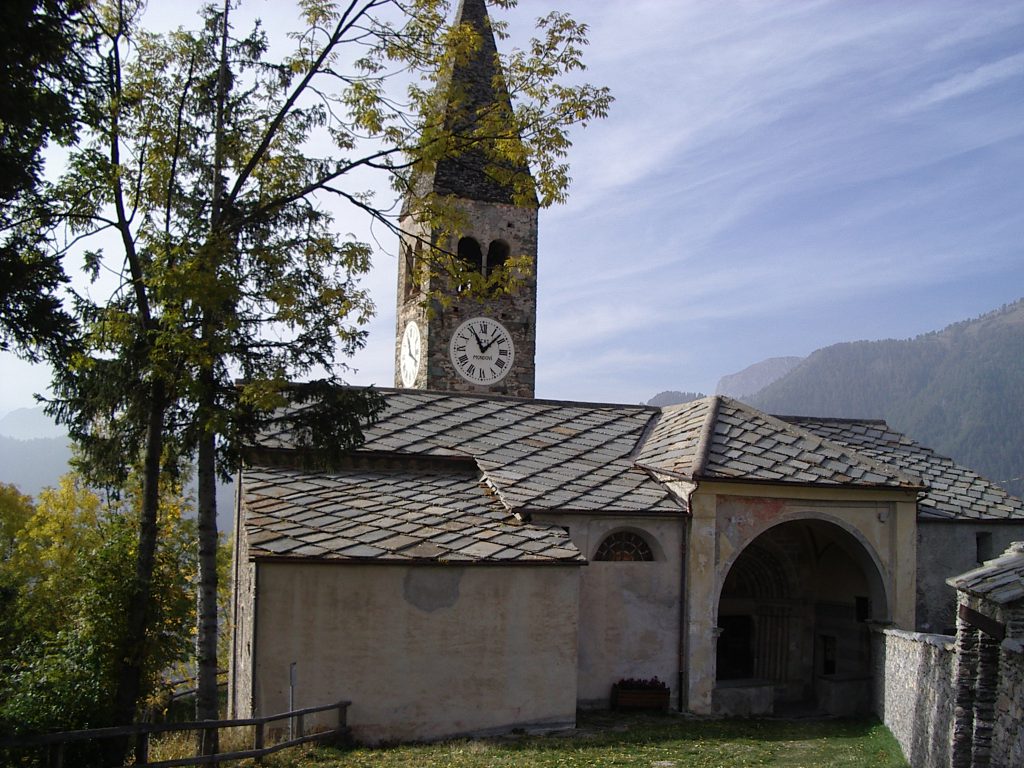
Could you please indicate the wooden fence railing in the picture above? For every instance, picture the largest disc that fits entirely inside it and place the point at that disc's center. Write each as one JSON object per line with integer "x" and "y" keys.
{"x": 56, "y": 743}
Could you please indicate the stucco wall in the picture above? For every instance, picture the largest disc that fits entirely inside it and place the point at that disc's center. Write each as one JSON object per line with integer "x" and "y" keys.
{"x": 421, "y": 651}
{"x": 629, "y": 611}
{"x": 947, "y": 549}
{"x": 727, "y": 517}
{"x": 914, "y": 693}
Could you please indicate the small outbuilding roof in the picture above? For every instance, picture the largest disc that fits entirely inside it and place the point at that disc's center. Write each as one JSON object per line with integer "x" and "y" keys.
{"x": 1000, "y": 580}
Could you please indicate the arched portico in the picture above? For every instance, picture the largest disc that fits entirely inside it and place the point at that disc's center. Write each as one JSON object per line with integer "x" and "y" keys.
{"x": 792, "y": 617}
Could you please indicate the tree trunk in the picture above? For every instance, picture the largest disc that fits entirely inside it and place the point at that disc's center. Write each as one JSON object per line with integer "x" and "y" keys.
{"x": 133, "y": 656}
{"x": 206, "y": 607}
{"x": 206, "y": 597}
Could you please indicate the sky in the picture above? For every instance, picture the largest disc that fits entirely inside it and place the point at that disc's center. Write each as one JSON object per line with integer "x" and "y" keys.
{"x": 773, "y": 177}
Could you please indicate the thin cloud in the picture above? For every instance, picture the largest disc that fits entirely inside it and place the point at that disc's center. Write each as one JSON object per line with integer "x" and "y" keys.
{"x": 965, "y": 83}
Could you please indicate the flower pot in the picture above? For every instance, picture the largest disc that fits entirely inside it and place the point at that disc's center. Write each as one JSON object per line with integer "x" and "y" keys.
{"x": 634, "y": 698}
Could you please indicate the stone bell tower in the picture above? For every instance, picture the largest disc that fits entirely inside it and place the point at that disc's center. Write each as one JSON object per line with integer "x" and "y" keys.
{"x": 448, "y": 338}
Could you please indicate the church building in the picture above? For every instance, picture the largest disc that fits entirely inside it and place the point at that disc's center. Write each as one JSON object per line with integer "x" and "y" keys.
{"x": 487, "y": 560}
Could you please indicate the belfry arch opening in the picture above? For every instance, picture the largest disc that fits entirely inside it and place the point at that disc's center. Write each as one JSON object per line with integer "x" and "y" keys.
{"x": 497, "y": 254}
{"x": 793, "y": 616}
{"x": 470, "y": 254}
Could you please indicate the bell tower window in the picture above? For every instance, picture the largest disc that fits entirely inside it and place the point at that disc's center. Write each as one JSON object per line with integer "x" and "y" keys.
{"x": 412, "y": 266}
{"x": 472, "y": 258}
{"x": 470, "y": 254}
{"x": 497, "y": 255}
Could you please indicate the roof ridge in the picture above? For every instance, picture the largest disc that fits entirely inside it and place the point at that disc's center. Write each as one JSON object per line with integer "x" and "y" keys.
{"x": 790, "y": 418}
{"x": 641, "y": 441}
{"x": 452, "y": 394}
{"x": 706, "y": 435}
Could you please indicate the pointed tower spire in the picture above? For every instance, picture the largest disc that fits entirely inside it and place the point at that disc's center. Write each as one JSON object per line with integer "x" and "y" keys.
{"x": 477, "y": 94}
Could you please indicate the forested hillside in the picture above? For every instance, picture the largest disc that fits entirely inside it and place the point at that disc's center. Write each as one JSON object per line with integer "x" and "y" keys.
{"x": 960, "y": 391}
{"x": 672, "y": 397}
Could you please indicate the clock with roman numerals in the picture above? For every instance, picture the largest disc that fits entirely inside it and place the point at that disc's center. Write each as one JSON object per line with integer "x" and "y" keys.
{"x": 482, "y": 351}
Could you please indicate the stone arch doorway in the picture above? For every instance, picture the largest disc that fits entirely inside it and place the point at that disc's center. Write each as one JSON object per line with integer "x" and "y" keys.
{"x": 792, "y": 618}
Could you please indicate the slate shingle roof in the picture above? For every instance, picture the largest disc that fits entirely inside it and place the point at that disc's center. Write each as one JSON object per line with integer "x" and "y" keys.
{"x": 674, "y": 444}
{"x": 387, "y": 514}
{"x": 505, "y": 458}
{"x": 952, "y": 491}
{"x": 1000, "y": 580}
{"x": 538, "y": 454}
{"x": 723, "y": 439}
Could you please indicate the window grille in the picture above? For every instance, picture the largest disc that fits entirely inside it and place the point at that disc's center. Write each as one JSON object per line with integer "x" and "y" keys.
{"x": 624, "y": 546}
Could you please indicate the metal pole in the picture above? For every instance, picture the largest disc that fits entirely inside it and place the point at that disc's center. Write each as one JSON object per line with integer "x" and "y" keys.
{"x": 291, "y": 699}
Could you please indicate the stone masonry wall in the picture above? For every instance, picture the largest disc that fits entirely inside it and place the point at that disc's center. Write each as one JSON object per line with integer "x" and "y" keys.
{"x": 1008, "y": 733}
{"x": 517, "y": 311}
{"x": 914, "y": 693}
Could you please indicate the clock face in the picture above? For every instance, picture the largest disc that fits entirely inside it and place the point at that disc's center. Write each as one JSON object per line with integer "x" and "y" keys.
{"x": 482, "y": 351}
{"x": 410, "y": 353}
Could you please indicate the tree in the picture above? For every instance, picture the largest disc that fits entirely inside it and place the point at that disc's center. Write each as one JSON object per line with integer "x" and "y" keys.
{"x": 15, "y": 511}
{"x": 198, "y": 158}
{"x": 39, "y": 71}
{"x": 69, "y": 600}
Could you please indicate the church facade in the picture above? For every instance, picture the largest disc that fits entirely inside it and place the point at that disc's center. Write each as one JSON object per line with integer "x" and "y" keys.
{"x": 487, "y": 560}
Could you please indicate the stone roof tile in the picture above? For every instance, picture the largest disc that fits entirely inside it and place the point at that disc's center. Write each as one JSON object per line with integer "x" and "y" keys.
{"x": 952, "y": 491}
{"x": 450, "y": 516}
{"x": 720, "y": 438}
{"x": 535, "y": 454}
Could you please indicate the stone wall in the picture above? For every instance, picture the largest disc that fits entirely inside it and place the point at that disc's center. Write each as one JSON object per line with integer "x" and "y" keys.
{"x": 1008, "y": 733}
{"x": 516, "y": 226}
{"x": 915, "y": 696}
{"x": 914, "y": 693}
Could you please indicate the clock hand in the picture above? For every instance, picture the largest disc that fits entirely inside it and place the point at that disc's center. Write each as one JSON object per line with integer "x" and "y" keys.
{"x": 490, "y": 343}
{"x": 479, "y": 344}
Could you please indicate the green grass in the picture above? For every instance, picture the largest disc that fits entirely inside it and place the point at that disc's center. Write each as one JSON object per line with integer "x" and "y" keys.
{"x": 650, "y": 741}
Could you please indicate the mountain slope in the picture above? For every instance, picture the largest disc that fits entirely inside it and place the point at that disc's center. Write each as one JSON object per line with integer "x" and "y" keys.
{"x": 756, "y": 377}
{"x": 29, "y": 424}
{"x": 34, "y": 464}
{"x": 959, "y": 391}
{"x": 672, "y": 397}
{"x": 35, "y": 452}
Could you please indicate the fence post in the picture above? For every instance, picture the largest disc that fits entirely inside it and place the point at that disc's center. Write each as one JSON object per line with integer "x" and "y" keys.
{"x": 257, "y": 740}
{"x": 209, "y": 743}
{"x": 301, "y": 727}
{"x": 56, "y": 757}
{"x": 340, "y": 732}
{"x": 142, "y": 748}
